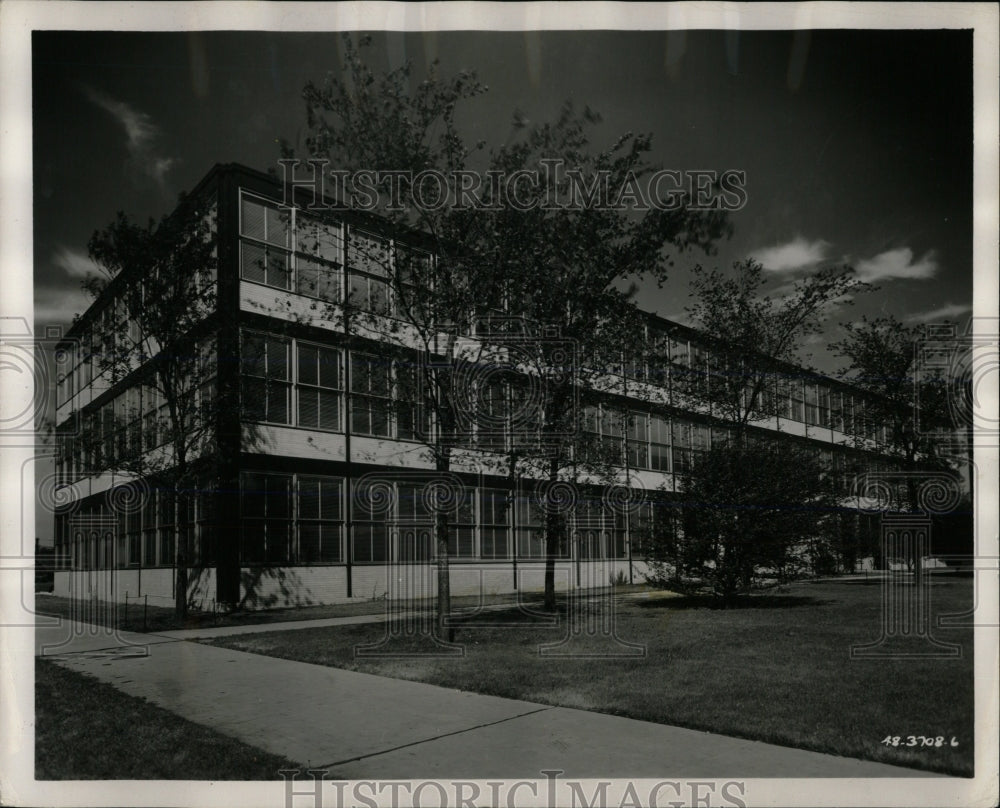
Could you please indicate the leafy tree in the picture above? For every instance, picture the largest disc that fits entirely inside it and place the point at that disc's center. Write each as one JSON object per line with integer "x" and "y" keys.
{"x": 156, "y": 331}
{"x": 753, "y": 337}
{"x": 741, "y": 529}
{"x": 752, "y": 501}
{"x": 434, "y": 282}
{"x": 882, "y": 357}
{"x": 571, "y": 270}
{"x": 555, "y": 271}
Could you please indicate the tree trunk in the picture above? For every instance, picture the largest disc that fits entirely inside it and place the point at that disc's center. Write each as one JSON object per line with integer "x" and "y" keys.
{"x": 181, "y": 560}
{"x": 551, "y": 545}
{"x": 552, "y": 531}
{"x": 443, "y": 569}
{"x": 443, "y": 577}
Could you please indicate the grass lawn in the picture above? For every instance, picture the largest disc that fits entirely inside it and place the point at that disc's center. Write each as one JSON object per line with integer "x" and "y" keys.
{"x": 88, "y": 730}
{"x": 777, "y": 670}
{"x": 159, "y": 618}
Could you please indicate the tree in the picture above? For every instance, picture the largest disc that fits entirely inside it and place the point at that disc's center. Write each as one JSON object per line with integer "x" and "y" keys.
{"x": 741, "y": 529}
{"x": 572, "y": 271}
{"x": 753, "y": 338}
{"x": 883, "y": 358}
{"x": 752, "y": 499}
{"x": 156, "y": 333}
{"x": 419, "y": 260}
{"x": 555, "y": 270}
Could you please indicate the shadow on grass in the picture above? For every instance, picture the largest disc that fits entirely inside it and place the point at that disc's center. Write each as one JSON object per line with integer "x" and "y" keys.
{"x": 740, "y": 602}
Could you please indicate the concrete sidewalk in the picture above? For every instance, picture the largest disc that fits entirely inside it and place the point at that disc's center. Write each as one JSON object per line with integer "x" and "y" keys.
{"x": 359, "y": 725}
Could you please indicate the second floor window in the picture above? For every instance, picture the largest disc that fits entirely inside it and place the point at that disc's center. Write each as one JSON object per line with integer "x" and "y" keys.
{"x": 286, "y": 249}
{"x": 266, "y": 382}
{"x": 371, "y": 390}
{"x": 318, "y": 387}
{"x": 370, "y": 268}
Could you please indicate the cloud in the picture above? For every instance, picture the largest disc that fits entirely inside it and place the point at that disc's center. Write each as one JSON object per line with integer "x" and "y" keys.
{"x": 141, "y": 135}
{"x": 56, "y": 305}
{"x": 945, "y": 312}
{"x": 796, "y": 254}
{"x": 897, "y": 264}
{"x": 75, "y": 263}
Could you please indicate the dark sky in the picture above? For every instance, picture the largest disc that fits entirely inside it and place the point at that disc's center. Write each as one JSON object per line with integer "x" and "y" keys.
{"x": 857, "y": 144}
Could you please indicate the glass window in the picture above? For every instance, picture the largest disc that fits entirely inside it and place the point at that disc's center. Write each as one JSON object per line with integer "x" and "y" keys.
{"x": 638, "y": 436}
{"x": 411, "y": 418}
{"x": 659, "y": 443}
{"x": 265, "y": 221}
{"x": 319, "y": 519}
{"x": 462, "y": 529}
{"x": 370, "y": 267}
{"x": 267, "y": 514}
{"x": 318, "y": 387}
{"x": 370, "y": 532}
{"x": 316, "y": 279}
{"x": 680, "y": 433}
{"x": 318, "y": 239}
{"x": 495, "y": 531}
{"x": 266, "y": 384}
{"x": 369, "y": 254}
{"x": 371, "y": 384}
{"x": 836, "y": 410}
{"x": 265, "y": 247}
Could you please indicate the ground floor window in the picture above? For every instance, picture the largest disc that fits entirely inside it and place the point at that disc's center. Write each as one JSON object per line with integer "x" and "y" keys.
{"x": 291, "y": 519}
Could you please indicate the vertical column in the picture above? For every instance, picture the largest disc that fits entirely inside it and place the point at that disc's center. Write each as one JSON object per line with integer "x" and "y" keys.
{"x": 905, "y": 611}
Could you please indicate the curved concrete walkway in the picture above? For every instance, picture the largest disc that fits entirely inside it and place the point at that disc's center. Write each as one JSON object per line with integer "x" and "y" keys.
{"x": 358, "y": 725}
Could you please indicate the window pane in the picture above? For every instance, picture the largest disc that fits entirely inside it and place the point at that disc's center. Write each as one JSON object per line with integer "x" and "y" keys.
{"x": 360, "y": 416}
{"x": 308, "y": 356}
{"x": 277, "y": 359}
{"x": 253, "y": 542}
{"x": 278, "y": 541}
{"x": 254, "y": 394}
{"x": 330, "y": 550}
{"x": 681, "y": 433}
{"x": 278, "y": 226}
{"x": 659, "y": 457}
{"x": 277, "y": 270}
{"x": 328, "y": 412}
{"x": 330, "y": 498}
{"x": 461, "y": 542}
{"x": 317, "y": 239}
{"x": 637, "y": 426}
{"x": 308, "y": 408}
{"x": 368, "y": 253}
{"x": 317, "y": 280}
{"x": 309, "y": 498}
{"x": 252, "y": 357}
{"x": 253, "y": 262}
{"x": 277, "y": 403}
{"x": 370, "y": 542}
{"x": 309, "y": 543}
{"x": 329, "y": 368}
{"x": 659, "y": 429}
{"x": 278, "y": 497}
{"x": 252, "y": 221}
{"x": 379, "y": 303}
{"x": 357, "y": 294}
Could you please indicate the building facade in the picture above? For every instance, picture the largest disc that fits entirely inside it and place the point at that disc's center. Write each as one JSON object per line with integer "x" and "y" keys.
{"x": 314, "y": 484}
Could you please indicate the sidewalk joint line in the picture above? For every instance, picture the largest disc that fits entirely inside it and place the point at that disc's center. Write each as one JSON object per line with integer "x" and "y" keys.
{"x": 433, "y": 738}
